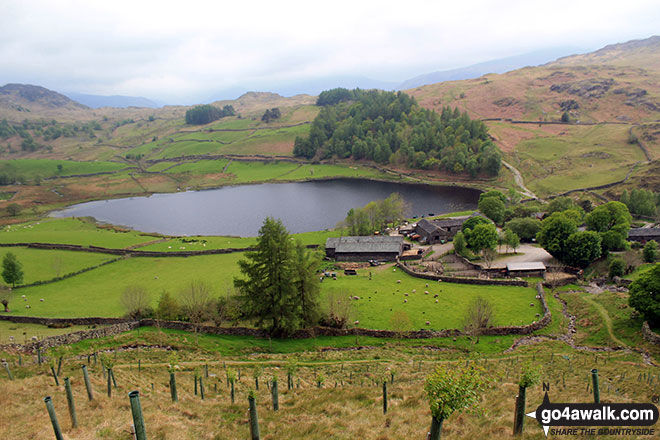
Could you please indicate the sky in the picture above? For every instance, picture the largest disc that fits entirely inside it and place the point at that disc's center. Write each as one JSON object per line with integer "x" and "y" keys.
{"x": 191, "y": 51}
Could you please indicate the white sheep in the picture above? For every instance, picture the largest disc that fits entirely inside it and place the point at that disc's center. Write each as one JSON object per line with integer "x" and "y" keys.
{"x": 428, "y": 322}
{"x": 398, "y": 281}
{"x": 405, "y": 300}
{"x": 356, "y": 323}
{"x": 436, "y": 300}
{"x": 41, "y": 300}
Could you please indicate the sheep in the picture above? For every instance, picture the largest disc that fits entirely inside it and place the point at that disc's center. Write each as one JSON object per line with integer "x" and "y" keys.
{"x": 427, "y": 284}
{"x": 405, "y": 301}
{"x": 41, "y": 300}
{"x": 405, "y": 294}
{"x": 426, "y": 292}
{"x": 398, "y": 281}
{"x": 436, "y": 300}
{"x": 414, "y": 290}
{"x": 356, "y": 323}
{"x": 532, "y": 304}
{"x": 428, "y": 322}
{"x": 436, "y": 295}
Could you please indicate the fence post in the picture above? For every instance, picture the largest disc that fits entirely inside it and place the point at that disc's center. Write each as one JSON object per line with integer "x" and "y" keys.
{"x": 384, "y": 397}
{"x": 519, "y": 418}
{"x": 88, "y": 384}
{"x": 136, "y": 410}
{"x": 594, "y": 378}
{"x": 11, "y": 377}
{"x": 201, "y": 388}
{"x": 109, "y": 383}
{"x": 69, "y": 401}
{"x": 276, "y": 396}
{"x": 53, "y": 418}
{"x": 254, "y": 419}
{"x": 175, "y": 397}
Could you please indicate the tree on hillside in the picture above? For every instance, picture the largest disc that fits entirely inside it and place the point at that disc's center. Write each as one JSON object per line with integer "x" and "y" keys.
{"x": 493, "y": 208}
{"x": 645, "y": 295}
{"x": 554, "y": 232}
{"x": 270, "y": 291}
{"x": 136, "y": 302}
{"x": 13, "y": 209}
{"x": 376, "y": 216}
{"x": 271, "y": 114}
{"x": 612, "y": 222}
{"x": 203, "y": 114}
{"x": 471, "y": 222}
{"x": 305, "y": 265}
{"x": 511, "y": 239}
{"x": 12, "y": 271}
{"x": 482, "y": 237}
{"x": 5, "y": 296}
{"x": 526, "y": 228}
{"x": 197, "y": 302}
{"x": 650, "y": 251}
{"x": 451, "y": 389}
{"x": 582, "y": 249}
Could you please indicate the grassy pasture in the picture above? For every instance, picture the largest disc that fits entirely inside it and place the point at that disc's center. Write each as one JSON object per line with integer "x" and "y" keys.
{"x": 382, "y": 296}
{"x": 70, "y": 231}
{"x": 42, "y": 265}
{"x": 31, "y": 168}
{"x": 16, "y": 330}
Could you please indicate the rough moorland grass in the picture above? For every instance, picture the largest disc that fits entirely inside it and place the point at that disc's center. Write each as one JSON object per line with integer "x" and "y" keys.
{"x": 584, "y": 157}
{"x": 382, "y": 296}
{"x": 41, "y": 264}
{"x": 348, "y": 410}
{"x": 199, "y": 167}
{"x": 70, "y": 231}
{"x": 31, "y": 168}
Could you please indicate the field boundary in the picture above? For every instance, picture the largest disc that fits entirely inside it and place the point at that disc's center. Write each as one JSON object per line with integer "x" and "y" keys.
{"x": 462, "y": 280}
{"x": 649, "y": 334}
{"x": 121, "y": 325}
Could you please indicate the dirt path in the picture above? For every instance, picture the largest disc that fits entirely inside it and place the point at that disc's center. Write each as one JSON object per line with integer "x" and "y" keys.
{"x": 606, "y": 319}
{"x": 519, "y": 180}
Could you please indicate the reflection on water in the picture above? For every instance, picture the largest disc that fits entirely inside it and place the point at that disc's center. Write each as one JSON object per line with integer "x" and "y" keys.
{"x": 240, "y": 210}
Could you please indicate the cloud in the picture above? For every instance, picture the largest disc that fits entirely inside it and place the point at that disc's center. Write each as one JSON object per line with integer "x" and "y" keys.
{"x": 189, "y": 49}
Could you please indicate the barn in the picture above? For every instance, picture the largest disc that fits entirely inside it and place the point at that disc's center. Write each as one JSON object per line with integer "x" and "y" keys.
{"x": 373, "y": 247}
{"x": 430, "y": 233}
{"x": 526, "y": 269}
{"x": 643, "y": 235}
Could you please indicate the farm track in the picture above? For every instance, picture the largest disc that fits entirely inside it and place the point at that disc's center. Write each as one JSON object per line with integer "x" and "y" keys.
{"x": 569, "y": 339}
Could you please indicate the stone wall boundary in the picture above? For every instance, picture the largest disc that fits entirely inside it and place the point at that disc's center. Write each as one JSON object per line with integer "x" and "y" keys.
{"x": 114, "y": 326}
{"x": 649, "y": 334}
{"x": 462, "y": 280}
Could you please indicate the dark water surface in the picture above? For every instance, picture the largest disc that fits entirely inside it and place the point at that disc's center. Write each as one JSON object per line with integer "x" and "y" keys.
{"x": 240, "y": 210}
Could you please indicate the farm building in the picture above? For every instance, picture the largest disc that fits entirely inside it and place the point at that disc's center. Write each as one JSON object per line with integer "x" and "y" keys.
{"x": 643, "y": 235}
{"x": 451, "y": 225}
{"x": 530, "y": 269}
{"x": 430, "y": 233}
{"x": 375, "y": 247}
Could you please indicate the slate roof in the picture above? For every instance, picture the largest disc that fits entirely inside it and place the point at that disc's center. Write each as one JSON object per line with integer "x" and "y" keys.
{"x": 535, "y": 265}
{"x": 426, "y": 226}
{"x": 643, "y": 232}
{"x": 371, "y": 243}
{"x": 449, "y": 222}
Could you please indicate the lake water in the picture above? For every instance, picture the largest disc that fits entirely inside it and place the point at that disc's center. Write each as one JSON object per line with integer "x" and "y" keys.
{"x": 241, "y": 210}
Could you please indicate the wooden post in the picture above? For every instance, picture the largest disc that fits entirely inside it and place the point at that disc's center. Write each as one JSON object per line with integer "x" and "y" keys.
{"x": 276, "y": 397}
{"x": 519, "y": 417}
{"x": 384, "y": 397}
{"x": 594, "y": 378}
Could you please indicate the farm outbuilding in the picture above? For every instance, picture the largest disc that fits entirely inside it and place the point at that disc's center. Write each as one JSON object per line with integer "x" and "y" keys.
{"x": 376, "y": 247}
{"x": 642, "y": 235}
{"x": 430, "y": 233}
{"x": 526, "y": 269}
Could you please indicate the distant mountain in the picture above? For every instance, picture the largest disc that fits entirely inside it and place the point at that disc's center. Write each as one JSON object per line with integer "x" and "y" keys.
{"x": 118, "y": 101}
{"x": 501, "y": 65}
{"x": 23, "y": 97}
{"x": 620, "y": 82}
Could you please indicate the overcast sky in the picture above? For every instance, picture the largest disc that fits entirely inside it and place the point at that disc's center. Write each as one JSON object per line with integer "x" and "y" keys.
{"x": 186, "y": 51}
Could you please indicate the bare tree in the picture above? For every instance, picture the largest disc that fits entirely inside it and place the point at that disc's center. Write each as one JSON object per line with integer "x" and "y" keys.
{"x": 479, "y": 316}
{"x": 339, "y": 309}
{"x": 197, "y": 302}
{"x": 489, "y": 256}
{"x": 57, "y": 264}
{"x": 136, "y": 301}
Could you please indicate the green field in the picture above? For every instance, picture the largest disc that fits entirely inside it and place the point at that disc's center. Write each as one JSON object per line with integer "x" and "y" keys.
{"x": 42, "y": 265}
{"x": 31, "y": 168}
{"x": 24, "y": 332}
{"x": 382, "y": 296}
{"x": 70, "y": 231}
